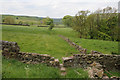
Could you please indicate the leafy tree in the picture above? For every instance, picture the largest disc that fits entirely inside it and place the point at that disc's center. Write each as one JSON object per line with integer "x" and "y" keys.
{"x": 79, "y": 23}
{"x": 112, "y": 24}
{"x": 46, "y": 21}
{"x": 51, "y": 26}
{"x": 108, "y": 22}
{"x": 91, "y": 26}
{"x": 49, "y": 21}
{"x": 67, "y": 20}
{"x": 101, "y": 24}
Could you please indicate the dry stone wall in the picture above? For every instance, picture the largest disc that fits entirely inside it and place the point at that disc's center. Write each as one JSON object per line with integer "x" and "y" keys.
{"x": 9, "y": 46}
{"x": 79, "y": 48}
{"x": 34, "y": 58}
{"x": 12, "y": 50}
{"x": 108, "y": 62}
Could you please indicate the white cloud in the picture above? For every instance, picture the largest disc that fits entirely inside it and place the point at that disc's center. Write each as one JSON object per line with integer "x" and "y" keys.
{"x": 53, "y": 8}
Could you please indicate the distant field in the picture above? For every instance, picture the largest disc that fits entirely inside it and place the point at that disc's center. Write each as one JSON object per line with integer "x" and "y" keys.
{"x": 32, "y": 20}
{"x": 41, "y": 40}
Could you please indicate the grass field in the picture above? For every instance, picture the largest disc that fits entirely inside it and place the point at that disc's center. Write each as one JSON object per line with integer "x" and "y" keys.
{"x": 105, "y": 47}
{"x": 41, "y": 40}
{"x": 31, "y": 20}
{"x": 15, "y": 69}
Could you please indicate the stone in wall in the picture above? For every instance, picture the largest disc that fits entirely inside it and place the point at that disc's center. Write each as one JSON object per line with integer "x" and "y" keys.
{"x": 84, "y": 60}
{"x": 95, "y": 70}
{"x": 10, "y": 46}
{"x": 95, "y": 52}
{"x": 55, "y": 63}
{"x": 67, "y": 61}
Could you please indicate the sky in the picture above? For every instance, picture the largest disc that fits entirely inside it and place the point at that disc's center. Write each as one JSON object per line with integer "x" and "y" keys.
{"x": 52, "y": 8}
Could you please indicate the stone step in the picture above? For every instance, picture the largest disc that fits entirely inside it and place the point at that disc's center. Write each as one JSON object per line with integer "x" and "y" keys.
{"x": 63, "y": 73}
{"x": 61, "y": 65}
{"x": 63, "y": 69}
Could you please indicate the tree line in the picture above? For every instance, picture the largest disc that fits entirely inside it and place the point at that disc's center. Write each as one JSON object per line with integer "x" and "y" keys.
{"x": 101, "y": 24}
{"x": 12, "y": 20}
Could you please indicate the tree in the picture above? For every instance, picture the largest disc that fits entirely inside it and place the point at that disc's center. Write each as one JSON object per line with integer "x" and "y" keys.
{"x": 51, "y": 26}
{"x": 79, "y": 23}
{"x": 46, "y": 21}
{"x": 67, "y": 20}
{"x": 91, "y": 26}
{"x": 112, "y": 24}
{"x": 50, "y": 22}
{"x": 101, "y": 24}
{"x": 107, "y": 23}
{"x": 9, "y": 20}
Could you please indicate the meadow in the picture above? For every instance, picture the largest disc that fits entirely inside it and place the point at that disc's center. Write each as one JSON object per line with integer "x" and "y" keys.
{"x": 43, "y": 41}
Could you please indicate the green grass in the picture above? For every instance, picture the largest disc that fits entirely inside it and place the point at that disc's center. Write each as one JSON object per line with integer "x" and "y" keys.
{"x": 113, "y": 73}
{"x": 105, "y": 47}
{"x": 15, "y": 69}
{"x": 76, "y": 72}
{"x": 39, "y": 40}
{"x": 43, "y": 41}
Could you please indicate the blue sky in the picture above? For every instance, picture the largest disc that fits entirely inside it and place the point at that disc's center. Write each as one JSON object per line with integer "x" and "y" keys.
{"x": 52, "y": 8}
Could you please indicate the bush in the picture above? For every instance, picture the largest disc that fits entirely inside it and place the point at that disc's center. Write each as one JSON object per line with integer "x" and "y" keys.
{"x": 51, "y": 26}
{"x": 9, "y": 20}
{"x": 103, "y": 36}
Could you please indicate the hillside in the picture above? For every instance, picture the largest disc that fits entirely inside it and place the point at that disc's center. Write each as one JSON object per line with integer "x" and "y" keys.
{"x": 30, "y": 19}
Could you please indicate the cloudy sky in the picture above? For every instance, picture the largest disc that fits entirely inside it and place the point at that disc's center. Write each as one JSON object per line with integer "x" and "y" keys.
{"x": 52, "y": 8}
